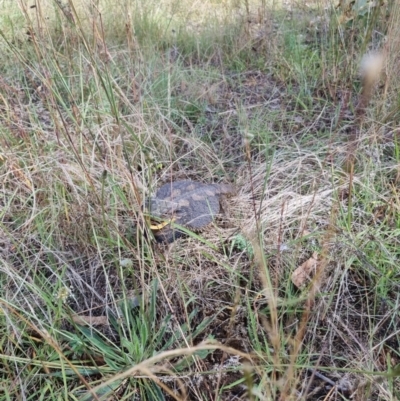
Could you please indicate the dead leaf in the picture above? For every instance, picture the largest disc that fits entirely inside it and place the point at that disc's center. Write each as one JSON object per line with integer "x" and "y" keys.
{"x": 305, "y": 271}
{"x": 90, "y": 320}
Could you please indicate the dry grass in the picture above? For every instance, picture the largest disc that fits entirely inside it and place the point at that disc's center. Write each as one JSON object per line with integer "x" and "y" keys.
{"x": 100, "y": 104}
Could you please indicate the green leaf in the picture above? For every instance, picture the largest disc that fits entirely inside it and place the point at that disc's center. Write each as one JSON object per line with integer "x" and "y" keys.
{"x": 394, "y": 372}
{"x": 103, "y": 392}
{"x": 189, "y": 360}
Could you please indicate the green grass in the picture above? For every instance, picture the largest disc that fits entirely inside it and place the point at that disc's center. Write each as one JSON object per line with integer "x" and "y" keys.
{"x": 101, "y": 104}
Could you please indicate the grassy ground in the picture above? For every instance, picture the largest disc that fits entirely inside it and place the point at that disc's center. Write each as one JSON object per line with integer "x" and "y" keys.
{"x": 293, "y": 293}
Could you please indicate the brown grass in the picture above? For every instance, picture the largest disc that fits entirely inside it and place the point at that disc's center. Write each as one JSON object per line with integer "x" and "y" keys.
{"x": 90, "y": 128}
